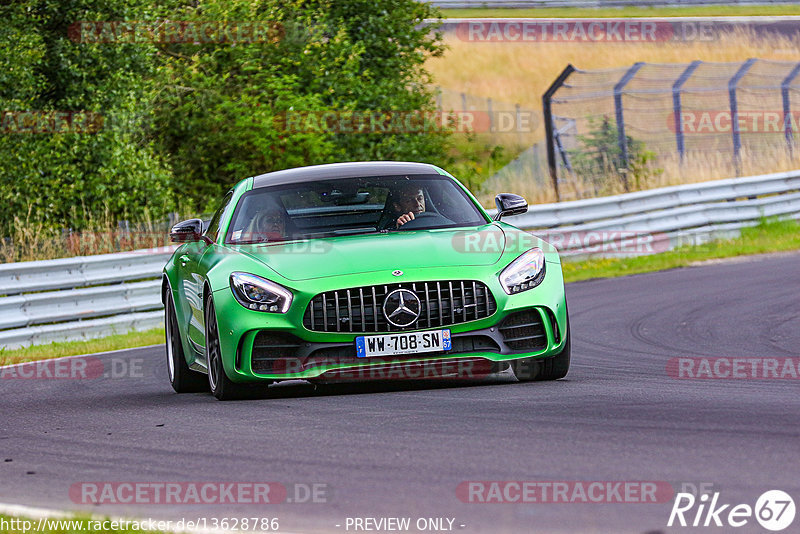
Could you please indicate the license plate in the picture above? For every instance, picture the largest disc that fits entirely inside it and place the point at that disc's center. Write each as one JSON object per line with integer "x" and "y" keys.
{"x": 403, "y": 343}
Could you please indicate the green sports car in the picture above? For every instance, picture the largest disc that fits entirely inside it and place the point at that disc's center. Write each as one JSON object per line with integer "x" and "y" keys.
{"x": 357, "y": 271}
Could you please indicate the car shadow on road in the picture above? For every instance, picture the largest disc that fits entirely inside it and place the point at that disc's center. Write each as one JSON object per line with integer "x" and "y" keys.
{"x": 303, "y": 388}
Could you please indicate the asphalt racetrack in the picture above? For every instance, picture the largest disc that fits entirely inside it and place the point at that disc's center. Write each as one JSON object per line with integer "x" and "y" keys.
{"x": 402, "y": 450}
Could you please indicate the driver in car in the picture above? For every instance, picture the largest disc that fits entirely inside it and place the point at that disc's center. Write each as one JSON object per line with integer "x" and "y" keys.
{"x": 268, "y": 225}
{"x": 409, "y": 201}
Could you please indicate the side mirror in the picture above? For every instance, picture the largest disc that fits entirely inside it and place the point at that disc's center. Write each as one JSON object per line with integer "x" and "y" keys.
{"x": 187, "y": 231}
{"x": 509, "y": 204}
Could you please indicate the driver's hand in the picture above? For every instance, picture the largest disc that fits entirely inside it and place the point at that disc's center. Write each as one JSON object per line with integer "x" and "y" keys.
{"x": 404, "y": 218}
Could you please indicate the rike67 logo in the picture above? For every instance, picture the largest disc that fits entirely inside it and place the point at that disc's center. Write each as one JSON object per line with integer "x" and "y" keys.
{"x": 774, "y": 510}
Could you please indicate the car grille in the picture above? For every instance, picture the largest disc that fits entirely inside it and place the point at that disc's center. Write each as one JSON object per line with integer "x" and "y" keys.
{"x": 347, "y": 354}
{"x": 360, "y": 309}
{"x": 279, "y": 353}
{"x": 524, "y": 331}
{"x": 270, "y": 347}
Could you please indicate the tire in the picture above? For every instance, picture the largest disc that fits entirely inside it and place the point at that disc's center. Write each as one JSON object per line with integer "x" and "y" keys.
{"x": 536, "y": 369}
{"x": 182, "y": 379}
{"x": 221, "y": 386}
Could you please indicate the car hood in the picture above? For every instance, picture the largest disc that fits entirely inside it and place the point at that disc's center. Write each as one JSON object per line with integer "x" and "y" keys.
{"x": 319, "y": 258}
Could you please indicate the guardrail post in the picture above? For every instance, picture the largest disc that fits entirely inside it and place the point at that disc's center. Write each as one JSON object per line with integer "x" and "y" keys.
{"x": 676, "y": 104}
{"x": 737, "y": 139}
{"x": 621, "y": 138}
{"x": 547, "y": 112}
{"x": 787, "y": 117}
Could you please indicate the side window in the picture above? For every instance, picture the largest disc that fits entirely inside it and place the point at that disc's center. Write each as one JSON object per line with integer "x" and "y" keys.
{"x": 213, "y": 226}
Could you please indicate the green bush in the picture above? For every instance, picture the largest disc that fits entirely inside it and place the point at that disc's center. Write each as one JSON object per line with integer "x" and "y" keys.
{"x": 72, "y": 180}
{"x": 221, "y": 112}
{"x": 600, "y": 162}
{"x": 184, "y": 121}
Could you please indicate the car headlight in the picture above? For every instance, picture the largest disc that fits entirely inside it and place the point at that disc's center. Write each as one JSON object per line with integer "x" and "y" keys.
{"x": 524, "y": 273}
{"x": 256, "y": 293}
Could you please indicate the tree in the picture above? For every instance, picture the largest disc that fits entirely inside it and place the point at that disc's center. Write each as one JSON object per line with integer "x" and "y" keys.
{"x": 73, "y": 178}
{"x": 183, "y": 121}
{"x": 221, "y": 115}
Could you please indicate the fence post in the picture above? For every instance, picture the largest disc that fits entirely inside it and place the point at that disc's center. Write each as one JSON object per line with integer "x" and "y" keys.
{"x": 547, "y": 112}
{"x": 621, "y": 138}
{"x": 737, "y": 139}
{"x": 787, "y": 118}
{"x": 561, "y": 151}
{"x": 676, "y": 104}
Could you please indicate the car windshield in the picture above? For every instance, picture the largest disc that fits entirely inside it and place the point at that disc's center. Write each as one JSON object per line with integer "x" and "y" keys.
{"x": 349, "y": 206}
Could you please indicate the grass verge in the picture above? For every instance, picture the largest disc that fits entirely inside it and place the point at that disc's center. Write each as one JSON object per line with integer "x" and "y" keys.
{"x": 77, "y": 524}
{"x": 73, "y": 348}
{"x": 768, "y": 236}
{"x": 611, "y": 12}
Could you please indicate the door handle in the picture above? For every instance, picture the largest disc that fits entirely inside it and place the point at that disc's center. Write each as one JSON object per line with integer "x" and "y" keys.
{"x": 184, "y": 260}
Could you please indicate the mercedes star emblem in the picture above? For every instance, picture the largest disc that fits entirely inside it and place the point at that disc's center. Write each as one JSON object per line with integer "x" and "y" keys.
{"x": 401, "y": 308}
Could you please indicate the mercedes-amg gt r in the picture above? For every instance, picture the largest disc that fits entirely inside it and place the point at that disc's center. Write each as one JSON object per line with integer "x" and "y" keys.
{"x": 354, "y": 271}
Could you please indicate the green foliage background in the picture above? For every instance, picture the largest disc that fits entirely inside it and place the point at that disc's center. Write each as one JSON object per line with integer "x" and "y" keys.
{"x": 599, "y": 160}
{"x": 183, "y": 122}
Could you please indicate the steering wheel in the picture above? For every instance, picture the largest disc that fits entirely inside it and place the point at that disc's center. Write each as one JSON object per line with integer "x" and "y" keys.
{"x": 426, "y": 218}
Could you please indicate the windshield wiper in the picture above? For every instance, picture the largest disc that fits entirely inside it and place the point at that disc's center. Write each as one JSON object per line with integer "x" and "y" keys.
{"x": 353, "y": 231}
{"x": 344, "y": 231}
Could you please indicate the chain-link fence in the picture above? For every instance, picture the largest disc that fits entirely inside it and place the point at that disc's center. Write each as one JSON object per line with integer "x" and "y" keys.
{"x": 505, "y": 122}
{"x": 649, "y": 125}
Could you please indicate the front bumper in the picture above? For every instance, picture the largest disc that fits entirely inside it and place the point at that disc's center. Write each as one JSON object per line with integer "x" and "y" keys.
{"x": 259, "y": 346}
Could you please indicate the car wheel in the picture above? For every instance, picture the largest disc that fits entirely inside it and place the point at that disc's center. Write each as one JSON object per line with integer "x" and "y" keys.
{"x": 535, "y": 369}
{"x": 183, "y": 379}
{"x": 221, "y": 386}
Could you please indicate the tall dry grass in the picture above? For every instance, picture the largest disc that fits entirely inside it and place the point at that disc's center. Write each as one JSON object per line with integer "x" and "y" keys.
{"x": 29, "y": 240}
{"x": 521, "y": 72}
{"x": 697, "y": 166}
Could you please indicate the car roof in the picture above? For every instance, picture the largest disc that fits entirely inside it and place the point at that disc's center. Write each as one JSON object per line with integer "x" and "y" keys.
{"x": 344, "y": 170}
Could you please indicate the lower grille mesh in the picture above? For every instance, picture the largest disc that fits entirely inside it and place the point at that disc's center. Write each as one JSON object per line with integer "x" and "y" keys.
{"x": 524, "y": 331}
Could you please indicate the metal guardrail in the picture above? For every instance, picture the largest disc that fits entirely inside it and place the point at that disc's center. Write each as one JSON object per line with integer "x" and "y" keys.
{"x": 614, "y": 207}
{"x": 71, "y": 299}
{"x": 81, "y": 271}
{"x": 668, "y": 217}
{"x": 92, "y": 296}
